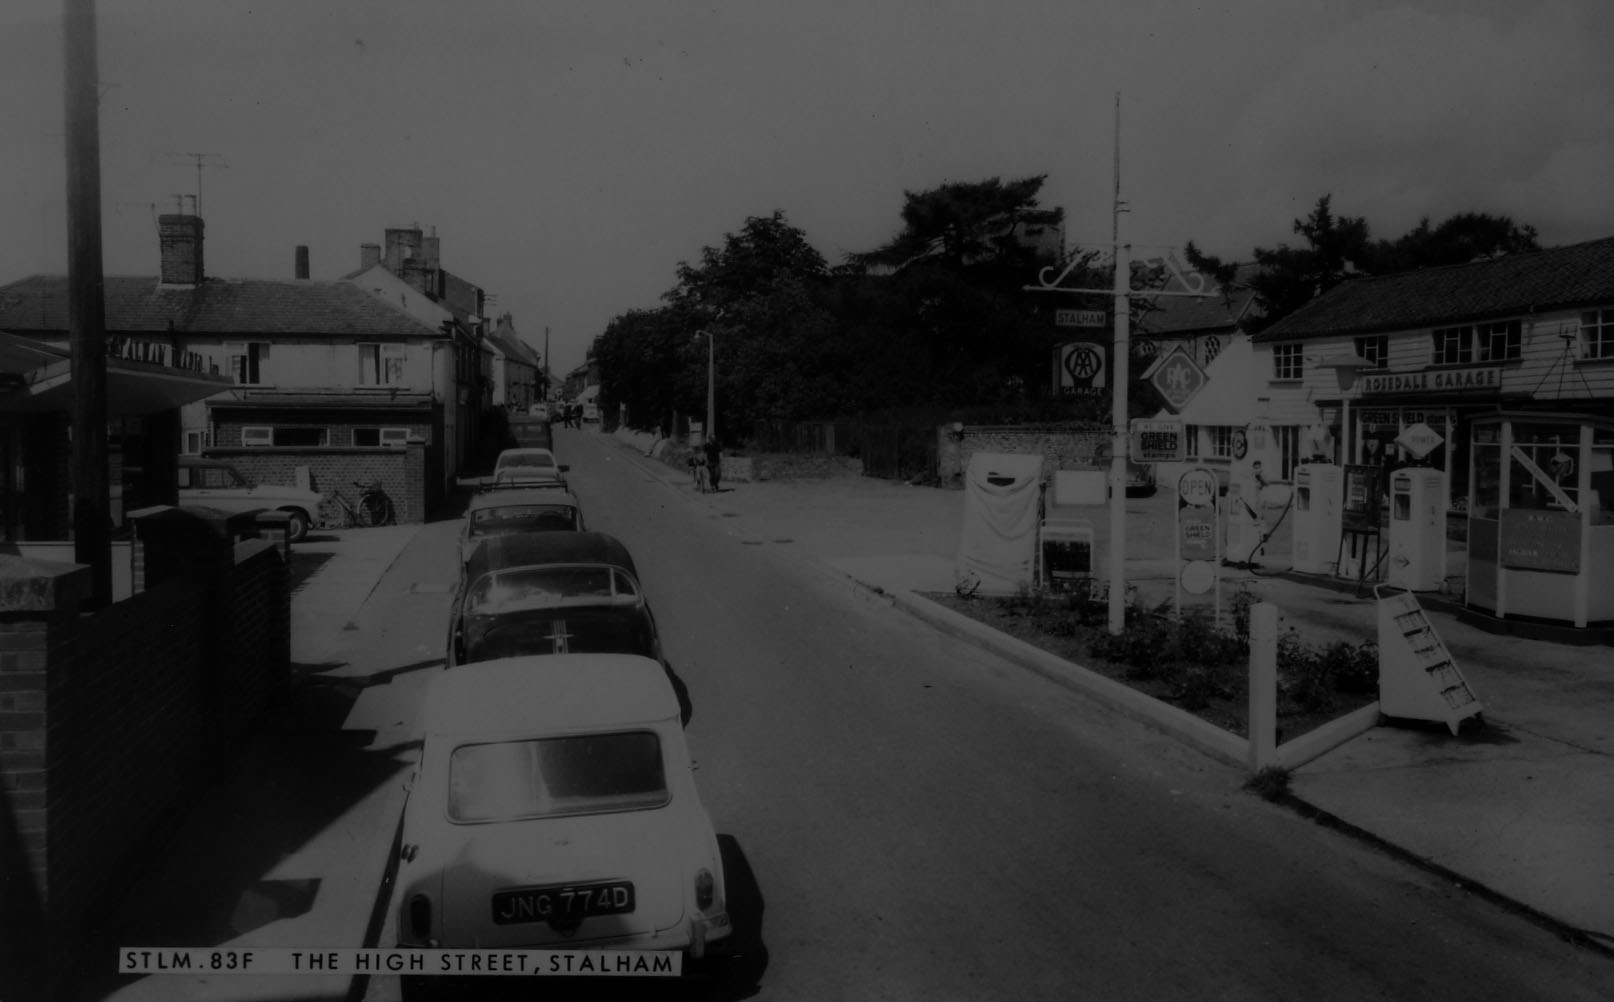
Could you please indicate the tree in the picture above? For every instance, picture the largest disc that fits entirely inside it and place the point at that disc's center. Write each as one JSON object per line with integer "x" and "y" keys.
{"x": 1339, "y": 246}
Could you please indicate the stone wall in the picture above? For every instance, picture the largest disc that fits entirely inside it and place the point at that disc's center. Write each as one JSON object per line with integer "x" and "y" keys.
{"x": 1062, "y": 447}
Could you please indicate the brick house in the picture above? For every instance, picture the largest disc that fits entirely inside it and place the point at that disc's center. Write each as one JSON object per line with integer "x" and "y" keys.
{"x": 517, "y": 369}
{"x": 328, "y": 375}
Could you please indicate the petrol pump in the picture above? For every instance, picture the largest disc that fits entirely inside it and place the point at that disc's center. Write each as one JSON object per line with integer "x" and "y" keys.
{"x": 1417, "y": 552}
{"x": 1319, "y": 516}
{"x": 1255, "y": 463}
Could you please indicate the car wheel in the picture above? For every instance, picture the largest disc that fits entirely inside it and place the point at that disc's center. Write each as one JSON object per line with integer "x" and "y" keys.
{"x": 297, "y": 525}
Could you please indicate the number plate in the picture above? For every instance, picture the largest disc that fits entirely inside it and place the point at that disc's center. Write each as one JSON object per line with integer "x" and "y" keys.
{"x": 564, "y": 903}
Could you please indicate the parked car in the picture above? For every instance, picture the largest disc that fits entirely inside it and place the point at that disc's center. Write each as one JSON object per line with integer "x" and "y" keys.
{"x": 549, "y": 593}
{"x": 539, "y": 409}
{"x": 554, "y": 806}
{"x": 525, "y": 466}
{"x": 212, "y": 483}
{"x": 502, "y": 512}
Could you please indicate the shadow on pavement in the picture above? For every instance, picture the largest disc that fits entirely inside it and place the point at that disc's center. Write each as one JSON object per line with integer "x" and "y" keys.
{"x": 243, "y": 853}
{"x": 304, "y": 564}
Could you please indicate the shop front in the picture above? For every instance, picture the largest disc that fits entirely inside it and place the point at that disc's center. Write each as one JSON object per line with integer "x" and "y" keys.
{"x": 1423, "y": 418}
{"x": 1541, "y": 518}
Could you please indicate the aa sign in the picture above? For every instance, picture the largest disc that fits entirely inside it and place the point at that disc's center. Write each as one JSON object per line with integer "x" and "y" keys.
{"x": 1079, "y": 368}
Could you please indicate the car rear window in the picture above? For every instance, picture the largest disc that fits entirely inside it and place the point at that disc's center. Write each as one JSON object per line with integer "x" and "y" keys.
{"x": 526, "y": 588}
{"x": 522, "y": 518}
{"x": 548, "y": 777}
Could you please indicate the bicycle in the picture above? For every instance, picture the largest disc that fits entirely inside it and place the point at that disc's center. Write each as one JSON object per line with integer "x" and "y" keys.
{"x": 374, "y": 507}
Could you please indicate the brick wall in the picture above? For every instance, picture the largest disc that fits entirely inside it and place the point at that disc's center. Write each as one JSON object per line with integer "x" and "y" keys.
{"x": 109, "y": 721}
{"x": 334, "y": 470}
{"x": 1061, "y": 448}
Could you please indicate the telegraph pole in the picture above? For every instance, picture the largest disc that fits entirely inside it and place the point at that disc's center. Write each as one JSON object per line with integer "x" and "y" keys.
{"x": 86, "y": 306}
{"x": 546, "y": 363}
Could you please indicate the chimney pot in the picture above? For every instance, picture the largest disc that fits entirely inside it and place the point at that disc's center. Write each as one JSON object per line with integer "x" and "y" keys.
{"x": 302, "y": 261}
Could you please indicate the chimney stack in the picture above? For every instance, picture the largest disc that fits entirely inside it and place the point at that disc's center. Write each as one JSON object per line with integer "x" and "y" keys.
{"x": 402, "y": 244}
{"x": 369, "y": 256}
{"x": 302, "y": 261}
{"x": 180, "y": 240}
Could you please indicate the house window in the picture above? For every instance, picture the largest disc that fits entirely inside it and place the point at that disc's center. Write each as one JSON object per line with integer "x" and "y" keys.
{"x": 1220, "y": 441}
{"x": 257, "y": 435}
{"x": 301, "y": 436}
{"x": 393, "y": 438}
{"x": 1498, "y": 342}
{"x": 1375, "y": 348}
{"x": 1453, "y": 346}
{"x": 381, "y": 364}
{"x": 248, "y": 362}
{"x": 1597, "y": 334}
{"x": 195, "y": 442}
{"x": 1287, "y": 361}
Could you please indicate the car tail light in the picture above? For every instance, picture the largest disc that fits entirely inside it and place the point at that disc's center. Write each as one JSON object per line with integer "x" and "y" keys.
{"x": 420, "y": 917}
{"x": 705, "y": 888}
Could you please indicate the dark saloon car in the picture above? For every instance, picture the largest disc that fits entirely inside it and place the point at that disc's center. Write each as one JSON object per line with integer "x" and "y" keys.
{"x": 552, "y": 593}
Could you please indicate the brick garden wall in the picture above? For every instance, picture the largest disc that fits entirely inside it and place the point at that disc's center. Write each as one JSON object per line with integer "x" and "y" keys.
{"x": 402, "y": 474}
{"x": 110, "y": 720}
{"x": 1062, "y": 448}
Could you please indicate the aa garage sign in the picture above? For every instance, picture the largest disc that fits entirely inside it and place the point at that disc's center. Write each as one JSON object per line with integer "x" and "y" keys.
{"x": 1081, "y": 368}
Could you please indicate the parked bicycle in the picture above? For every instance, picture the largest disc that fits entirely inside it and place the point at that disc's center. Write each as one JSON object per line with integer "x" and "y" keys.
{"x": 373, "y": 508}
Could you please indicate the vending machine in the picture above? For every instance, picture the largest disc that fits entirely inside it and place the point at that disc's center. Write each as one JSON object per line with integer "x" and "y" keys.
{"x": 1319, "y": 516}
{"x": 1417, "y": 548}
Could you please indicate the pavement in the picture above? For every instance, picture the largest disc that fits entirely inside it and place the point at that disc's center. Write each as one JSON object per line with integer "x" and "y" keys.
{"x": 1518, "y": 808}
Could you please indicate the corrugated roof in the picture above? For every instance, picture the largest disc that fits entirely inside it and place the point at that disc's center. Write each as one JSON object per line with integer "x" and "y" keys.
{"x": 1557, "y": 278}
{"x": 218, "y": 306}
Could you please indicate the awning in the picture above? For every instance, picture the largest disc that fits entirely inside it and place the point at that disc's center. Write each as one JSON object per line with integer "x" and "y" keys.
{"x": 43, "y": 383}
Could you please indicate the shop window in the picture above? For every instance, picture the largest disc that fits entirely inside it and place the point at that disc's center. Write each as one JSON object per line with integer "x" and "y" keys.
{"x": 1375, "y": 348}
{"x": 1288, "y": 361}
{"x": 381, "y": 364}
{"x": 1597, "y": 334}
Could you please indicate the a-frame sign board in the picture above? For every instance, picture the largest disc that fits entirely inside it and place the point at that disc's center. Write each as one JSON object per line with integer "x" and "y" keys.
{"x": 1418, "y": 680}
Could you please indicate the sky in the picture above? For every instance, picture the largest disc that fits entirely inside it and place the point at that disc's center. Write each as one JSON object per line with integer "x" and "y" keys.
{"x": 569, "y": 154}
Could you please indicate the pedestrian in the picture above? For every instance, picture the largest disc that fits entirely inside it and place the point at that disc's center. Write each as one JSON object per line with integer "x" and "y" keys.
{"x": 714, "y": 462}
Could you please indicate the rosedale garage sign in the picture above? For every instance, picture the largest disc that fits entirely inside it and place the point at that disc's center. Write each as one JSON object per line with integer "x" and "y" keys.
{"x": 1487, "y": 377}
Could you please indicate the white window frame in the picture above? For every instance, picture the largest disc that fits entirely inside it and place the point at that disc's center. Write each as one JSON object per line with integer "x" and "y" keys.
{"x": 1487, "y": 336}
{"x": 1219, "y": 441}
{"x": 1597, "y": 334}
{"x": 381, "y": 363}
{"x": 248, "y": 358}
{"x": 195, "y": 440}
{"x": 1375, "y": 348}
{"x": 256, "y": 435}
{"x": 387, "y": 438}
{"x": 1288, "y": 362}
{"x": 1451, "y": 346}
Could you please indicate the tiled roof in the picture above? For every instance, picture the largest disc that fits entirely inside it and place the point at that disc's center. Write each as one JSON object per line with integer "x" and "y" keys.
{"x": 217, "y": 306}
{"x": 1558, "y": 278}
{"x": 1191, "y": 314}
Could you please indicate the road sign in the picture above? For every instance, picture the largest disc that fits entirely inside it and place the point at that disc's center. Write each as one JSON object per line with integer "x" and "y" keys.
{"x": 1158, "y": 442}
{"x": 1178, "y": 378}
{"x": 1081, "y": 318}
{"x": 1080, "y": 368}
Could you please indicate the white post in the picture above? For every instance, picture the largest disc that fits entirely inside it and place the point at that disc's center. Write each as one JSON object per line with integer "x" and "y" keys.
{"x": 1263, "y": 685}
{"x": 1119, "y": 376}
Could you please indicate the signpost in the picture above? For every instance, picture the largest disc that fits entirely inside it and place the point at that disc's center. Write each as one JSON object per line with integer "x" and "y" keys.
{"x": 1179, "y": 379}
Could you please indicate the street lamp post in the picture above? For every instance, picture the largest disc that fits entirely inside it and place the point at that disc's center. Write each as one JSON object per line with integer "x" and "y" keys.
{"x": 711, "y": 386}
{"x": 1345, "y": 371}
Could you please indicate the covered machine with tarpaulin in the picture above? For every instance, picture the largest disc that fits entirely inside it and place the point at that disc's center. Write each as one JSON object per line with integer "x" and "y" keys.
{"x": 997, "y": 547}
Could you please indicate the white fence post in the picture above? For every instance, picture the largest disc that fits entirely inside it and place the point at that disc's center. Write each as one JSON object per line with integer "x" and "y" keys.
{"x": 1263, "y": 726}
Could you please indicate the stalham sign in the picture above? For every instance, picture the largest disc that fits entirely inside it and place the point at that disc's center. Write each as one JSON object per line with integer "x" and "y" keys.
{"x": 1433, "y": 380}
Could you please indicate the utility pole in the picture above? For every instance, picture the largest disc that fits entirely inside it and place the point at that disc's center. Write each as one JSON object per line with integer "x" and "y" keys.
{"x": 86, "y": 306}
{"x": 546, "y": 363}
